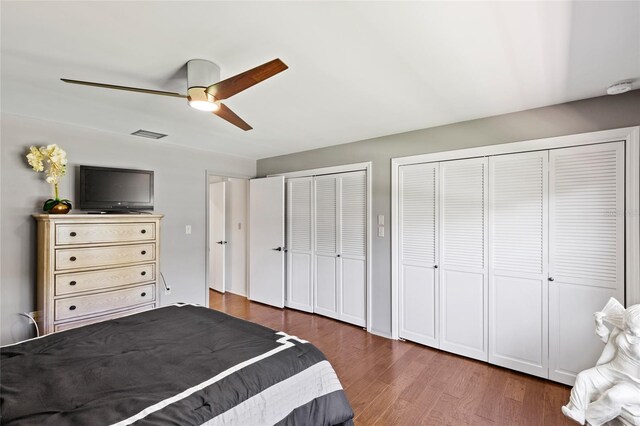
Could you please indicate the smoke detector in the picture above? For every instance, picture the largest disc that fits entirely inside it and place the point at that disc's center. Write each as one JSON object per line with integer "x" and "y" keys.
{"x": 620, "y": 87}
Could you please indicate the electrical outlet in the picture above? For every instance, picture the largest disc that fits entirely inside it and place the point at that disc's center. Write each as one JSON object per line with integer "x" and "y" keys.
{"x": 35, "y": 315}
{"x": 167, "y": 291}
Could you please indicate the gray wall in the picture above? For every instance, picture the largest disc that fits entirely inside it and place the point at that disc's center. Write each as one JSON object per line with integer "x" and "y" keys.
{"x": 180, "y": 185}
{"x": 607, "y": 112}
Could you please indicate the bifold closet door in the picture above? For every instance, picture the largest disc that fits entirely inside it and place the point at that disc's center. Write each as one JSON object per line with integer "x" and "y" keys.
{"x": 326, "y": 246}
{"x": 586, "y": 250}
{"x": 418, "y": 253}
{"x": 518, "y": 257}
{"x": 463, "y": 257}
{"x": 352, "y": 246}
{"x": 300, "y": 244}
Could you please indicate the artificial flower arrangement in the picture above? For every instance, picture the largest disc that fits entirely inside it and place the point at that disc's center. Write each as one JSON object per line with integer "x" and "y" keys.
{"x": 55, "y": 160}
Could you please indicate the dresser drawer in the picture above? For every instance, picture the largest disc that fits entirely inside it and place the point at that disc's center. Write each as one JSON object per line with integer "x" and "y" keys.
{"x": 78, "y": 306}
{"x": 76, "y": 282}
{"x": 79, "y": 323}
{"x": 103, "y": 256}
{"x": 86, "y": 233}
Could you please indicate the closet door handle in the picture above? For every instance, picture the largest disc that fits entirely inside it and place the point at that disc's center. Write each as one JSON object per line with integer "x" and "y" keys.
{"x": 221, "y": 242}
{"x": 277, "y": 249}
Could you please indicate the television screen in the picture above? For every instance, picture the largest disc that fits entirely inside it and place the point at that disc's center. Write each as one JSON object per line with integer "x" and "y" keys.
{"x": 110, "y": 189}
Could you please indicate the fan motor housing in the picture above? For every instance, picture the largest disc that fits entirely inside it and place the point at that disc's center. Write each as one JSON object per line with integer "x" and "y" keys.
{"x": 202, "y": 73}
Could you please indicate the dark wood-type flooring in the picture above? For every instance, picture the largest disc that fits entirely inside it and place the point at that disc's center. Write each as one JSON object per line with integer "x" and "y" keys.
{"x": 401, "y": 383}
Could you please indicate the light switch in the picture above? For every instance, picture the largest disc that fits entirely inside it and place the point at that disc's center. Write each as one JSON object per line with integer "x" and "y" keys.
{"x": 380, "y": 231}
{"x": 187, "y": 229}
{"x": 239, "y": 226}
{"x": 381, "y": 220}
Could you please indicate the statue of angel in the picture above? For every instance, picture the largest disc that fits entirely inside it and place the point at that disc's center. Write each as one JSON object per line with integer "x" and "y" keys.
{"x": 611, "y": 388}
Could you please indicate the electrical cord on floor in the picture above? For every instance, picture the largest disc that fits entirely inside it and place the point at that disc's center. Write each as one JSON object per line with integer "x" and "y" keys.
{"x": 166, "y": 287}
{"x": 24, "y": 314}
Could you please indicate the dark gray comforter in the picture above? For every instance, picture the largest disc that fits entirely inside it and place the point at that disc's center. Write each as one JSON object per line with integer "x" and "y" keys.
{"x": 178, "y": 365}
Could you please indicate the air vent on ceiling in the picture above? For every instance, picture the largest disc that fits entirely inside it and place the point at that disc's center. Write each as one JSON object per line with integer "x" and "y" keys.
{"x": 148, "y": 134}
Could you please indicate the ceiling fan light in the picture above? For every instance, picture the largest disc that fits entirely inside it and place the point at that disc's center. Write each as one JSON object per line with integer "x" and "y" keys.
{"x": 204, "y": 105}
{"x": 201, "y": 100}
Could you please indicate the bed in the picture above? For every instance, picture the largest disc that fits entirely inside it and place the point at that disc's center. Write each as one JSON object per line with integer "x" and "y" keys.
{"x": 176, "y": 365}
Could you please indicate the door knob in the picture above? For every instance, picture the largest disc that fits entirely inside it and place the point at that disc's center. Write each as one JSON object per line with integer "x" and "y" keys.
{"x": 435, "y": 266}
{"x": 221, "y": 242}
{"x": 551, "y": 279}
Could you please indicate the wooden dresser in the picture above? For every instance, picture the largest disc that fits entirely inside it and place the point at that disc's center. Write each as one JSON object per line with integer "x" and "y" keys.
{"x": 95, "y": 267}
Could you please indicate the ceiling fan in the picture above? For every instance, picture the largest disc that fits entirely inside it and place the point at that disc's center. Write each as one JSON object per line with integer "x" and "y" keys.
{"x": 203, "y": 93}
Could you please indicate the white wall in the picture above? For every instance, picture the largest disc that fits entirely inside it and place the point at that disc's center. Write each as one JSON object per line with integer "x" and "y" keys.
{"x": 180, "y": 194}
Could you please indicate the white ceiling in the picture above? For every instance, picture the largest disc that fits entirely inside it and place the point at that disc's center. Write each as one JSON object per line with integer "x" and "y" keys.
{"x": 357, "y": 70}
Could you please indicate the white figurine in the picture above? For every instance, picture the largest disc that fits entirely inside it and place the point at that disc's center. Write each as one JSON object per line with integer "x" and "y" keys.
{"x": 611, "y": 388}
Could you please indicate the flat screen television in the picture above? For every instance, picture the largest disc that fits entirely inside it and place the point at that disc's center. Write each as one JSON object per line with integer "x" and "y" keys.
{"x": 115, "y": 190}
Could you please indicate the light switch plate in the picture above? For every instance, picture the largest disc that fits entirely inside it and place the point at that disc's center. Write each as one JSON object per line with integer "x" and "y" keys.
{"x": 381, "y": 219}
{"x": 187, "y": 229}
{"x": 380, "y": 231}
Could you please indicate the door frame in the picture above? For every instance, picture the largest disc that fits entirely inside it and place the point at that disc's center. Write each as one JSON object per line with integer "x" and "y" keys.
{"x": 207, "y": 248}
{"x": 629, "y": 135}
{"x": 354, "y": 167}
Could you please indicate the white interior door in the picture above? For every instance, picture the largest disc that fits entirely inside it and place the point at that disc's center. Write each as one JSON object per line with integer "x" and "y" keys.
{"x": 518, "y": 258}
{"x": 418, "y": 253}
{"x": 463, "y": 258}
{"x": 266, "y": 240}
{"x": 326, "y": 271}
{"x": 586, "y": 250}
{"x": 352, "y": 247}
{"x": 300, "y": 244}
{"x": 217, "y": 239}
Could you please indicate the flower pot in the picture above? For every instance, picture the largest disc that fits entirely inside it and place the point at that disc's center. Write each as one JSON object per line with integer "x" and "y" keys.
{"x": 59, "y": 208}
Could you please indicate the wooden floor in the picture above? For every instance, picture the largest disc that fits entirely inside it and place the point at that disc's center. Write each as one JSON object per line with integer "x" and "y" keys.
{"x": 390, "y": 382}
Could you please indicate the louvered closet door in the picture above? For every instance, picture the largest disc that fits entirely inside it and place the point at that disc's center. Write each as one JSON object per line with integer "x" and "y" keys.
{"x": 326, "y": 246}
{"x": 418, "y": 254}
{"x": 300, "y": 244}
{"x": 586, "y": 250}
{"x": 352, "y": 247}
{"x": 463, "y": 257}
{"x": 518, "y": 286}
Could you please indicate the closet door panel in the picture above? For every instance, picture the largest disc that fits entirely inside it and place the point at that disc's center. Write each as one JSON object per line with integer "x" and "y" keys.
{"x": 463, "y": 257}
{"x": 586, "y": 250}
{"x": 518, "y": 253}
{"x": 352, "y": 246}
{"x": 463, "y": 320}
{"x": 326, "y": 246}
{"x": 353, "y": 292}
{"x": 418, "y": 253}
{"x": 300, "y": 244}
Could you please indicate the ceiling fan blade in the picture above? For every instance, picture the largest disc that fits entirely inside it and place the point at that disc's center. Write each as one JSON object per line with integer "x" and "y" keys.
{"x": 126, "y": 88}
{"x": 236, "y": 84}
{"x": 226, "y": 114}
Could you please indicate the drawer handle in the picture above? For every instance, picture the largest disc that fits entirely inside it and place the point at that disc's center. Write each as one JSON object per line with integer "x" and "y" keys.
{"x": 143, "y": 273}
{"x": 72, "y": 283}
{"x": 73, "y": 234}
{"x": 144, "y": 231}
{"x": 72, "y": 258}
{"x": 143, "y": 294}
{"x": 143, "y": 252}
{"x": 72, "y": 307}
